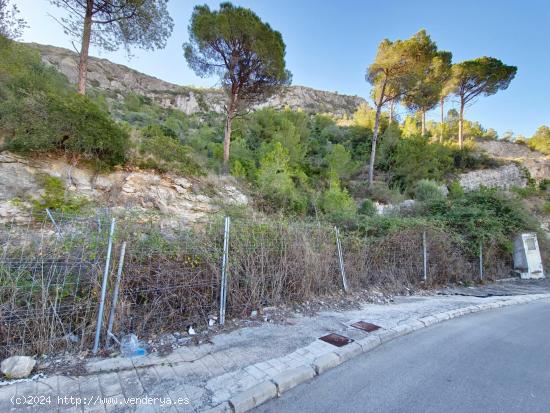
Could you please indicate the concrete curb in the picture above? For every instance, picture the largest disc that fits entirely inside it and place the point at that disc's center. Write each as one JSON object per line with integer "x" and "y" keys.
{"x": 284, "y": 381}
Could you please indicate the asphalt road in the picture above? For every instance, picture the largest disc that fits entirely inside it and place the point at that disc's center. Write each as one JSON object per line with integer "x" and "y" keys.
{"x": 496, "y": 361}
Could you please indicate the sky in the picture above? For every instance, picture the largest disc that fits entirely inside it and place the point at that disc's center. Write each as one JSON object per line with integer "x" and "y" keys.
{"x": 330, "y": 43}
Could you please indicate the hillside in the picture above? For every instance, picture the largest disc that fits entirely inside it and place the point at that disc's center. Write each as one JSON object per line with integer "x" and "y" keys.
{"x": 536, "y": 163}
{"x": 141, "y": 144}
{"x": 119, "y": 81}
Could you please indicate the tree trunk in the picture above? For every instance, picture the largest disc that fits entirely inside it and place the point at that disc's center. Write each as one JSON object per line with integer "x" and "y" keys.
{"x": 442, "y": 121}
{"x": 423, "y": 127}
{"x": 231, "y": 109}
{"x": 373, "y": 146}
{"x": 85, "y": 48}
{"x": 461, "y": 125}
{"x": 227, "y": 143}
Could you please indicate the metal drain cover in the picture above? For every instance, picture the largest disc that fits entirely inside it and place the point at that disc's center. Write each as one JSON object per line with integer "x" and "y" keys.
{"x": 336, "y": 339}
{"x": 368, "y": 327}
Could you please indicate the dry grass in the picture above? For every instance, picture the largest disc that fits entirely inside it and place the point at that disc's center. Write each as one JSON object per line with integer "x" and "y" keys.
{"x": 50, "y": 284}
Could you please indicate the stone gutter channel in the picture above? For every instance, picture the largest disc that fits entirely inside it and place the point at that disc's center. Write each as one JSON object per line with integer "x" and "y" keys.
{"x": 241, "y": 369}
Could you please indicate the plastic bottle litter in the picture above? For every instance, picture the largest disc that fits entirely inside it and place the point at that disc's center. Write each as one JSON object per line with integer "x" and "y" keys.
{"x": 130, "y": 346}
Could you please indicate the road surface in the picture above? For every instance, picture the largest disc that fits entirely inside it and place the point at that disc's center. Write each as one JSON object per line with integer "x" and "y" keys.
{"x": 497, "y": 361}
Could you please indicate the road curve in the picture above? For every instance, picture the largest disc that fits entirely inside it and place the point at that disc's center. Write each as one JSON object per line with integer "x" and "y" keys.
{"x": 495, "y": 361}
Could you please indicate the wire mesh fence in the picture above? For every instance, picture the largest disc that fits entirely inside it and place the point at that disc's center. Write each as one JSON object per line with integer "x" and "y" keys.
{"x": 49, "y": 282}
{"x": 169, "y": 280}
{"x": 51, "y": 273}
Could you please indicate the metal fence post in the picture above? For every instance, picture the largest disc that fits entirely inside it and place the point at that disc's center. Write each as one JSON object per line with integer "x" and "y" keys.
{"x": 341, "y": 260}
{"x": 104, "y": 287}
{"x": 425, "y": 256}
{"x": 481, "y": 260}
{"x": 48, "y": 212}
{"x": 225, "y": 264}
{"x": 115, "y": 295}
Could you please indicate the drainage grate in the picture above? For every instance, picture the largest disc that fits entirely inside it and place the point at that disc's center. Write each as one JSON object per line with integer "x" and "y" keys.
{"x": 336, "y": 339}
{"x": 368, "y": 327}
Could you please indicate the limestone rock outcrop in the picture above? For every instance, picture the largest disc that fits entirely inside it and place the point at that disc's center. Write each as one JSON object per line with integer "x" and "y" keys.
{"x": 174, "y": 198}
{"x": 504, "y": 177}
{"x": 119, "y": 80}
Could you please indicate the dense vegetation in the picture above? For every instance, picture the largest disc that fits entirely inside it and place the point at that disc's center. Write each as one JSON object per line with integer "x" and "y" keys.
{"x": 40, "y": 112}
{"x": 541, "y": 140}
{"x": 295, "y": 163}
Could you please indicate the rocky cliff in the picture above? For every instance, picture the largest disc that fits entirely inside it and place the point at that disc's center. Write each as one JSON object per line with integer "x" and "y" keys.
{"x": 519, "y": 163}
{"x": 173, "y": 199}
{"x": 119, "y": 80}
{"x": 504, "y": 177}
{"x": 535, "y": 162}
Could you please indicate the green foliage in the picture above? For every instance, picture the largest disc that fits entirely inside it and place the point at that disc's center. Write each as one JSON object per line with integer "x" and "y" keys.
{"x": 470, "y": 129}
{"x": 364, "y": 117}
{"x": 40, "y": 112}
{"x": 381, "y": 192}
{"x": 427, "y": 191}
{"x": 427, "y": 93}
{"x": 237, "y": 169}
{"x": 546, "y": 208}
{"x": 11, "y": 25}
{"x": 540, "y": 141}
{"x": 367, "y": 208}
{"x": 236, "y": 45}
{"x": 289, "y": 128}
{"x": 141, "y": 23}
{"x": 482, "y": 76}
{"x": 337, "y": 204}
{"x": 160, "y": 149}
{"x": 386, "y": 149}
{"x": 275, "y": 181}
{"x": 378, "y": 226}
{"x": 544, "y": 184}
{"x": 339, "y": 161}
{"x": 416, "y": 158}
{"x": 400, "y": 65}
{"x": 526, "y": 192}
{"x": 56, "y": 198}
{"x": 455, "y": 190}
{"x": 485, "y": 214}
{"x": 411, "y": 126}
{"x": 490, "y": 134}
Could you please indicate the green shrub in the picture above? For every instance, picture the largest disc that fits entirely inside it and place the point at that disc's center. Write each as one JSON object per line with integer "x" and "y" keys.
{"x": 378, "y": 226}
{"x": 40, "y": 112}
{"x": 337, "y": 204}
{"x": 237, "y": 169}
{"x": 367, "y": 208}
{"x": 466, "y": 160}
{"x": 544, "y": 184}
{"x": 455, "y": 190}
{"x": 56, "y": 198}
{"x": 381, "y": 192}
{"x": 426, "y": 191}
{"x": 416, "y": 158}
{"x": 340, "y": 162}
{"x": 540, "y": 141}
{"x": 275, "y": 181}
{"x": 485, "y": 214}
{"x": 388, "y": 144}
{"x": 526, "y": 192}
{"x": 546, "y": 208}
{"x": 167, "y": 154}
